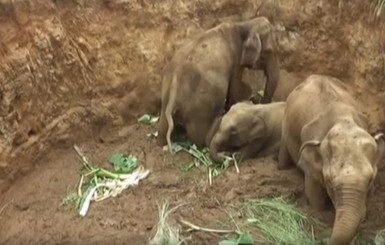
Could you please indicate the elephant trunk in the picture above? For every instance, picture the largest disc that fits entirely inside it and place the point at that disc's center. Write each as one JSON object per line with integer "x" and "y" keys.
{"x": 215, "y": 146}
{"x": 350, "y": 205}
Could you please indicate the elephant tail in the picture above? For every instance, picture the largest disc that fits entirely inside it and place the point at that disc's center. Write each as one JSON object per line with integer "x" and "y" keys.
{"x": 170, "y": 110}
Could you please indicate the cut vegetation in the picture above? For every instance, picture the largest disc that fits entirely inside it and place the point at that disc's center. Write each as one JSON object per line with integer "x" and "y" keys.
{"x": 278, "y": 221}
{"x": 97, "y": 184}
{"x": 165, "y": 233}
{"x": 201, "y": 155}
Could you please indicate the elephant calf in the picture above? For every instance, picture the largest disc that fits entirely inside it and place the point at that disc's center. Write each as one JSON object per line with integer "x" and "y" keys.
{"x": 325, "y": 134}
{"x": 254, "y": 130}
{"x": 203, "y": 79}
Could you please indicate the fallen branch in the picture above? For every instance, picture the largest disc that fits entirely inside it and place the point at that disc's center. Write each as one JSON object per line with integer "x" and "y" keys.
{"x": 198, "y": 228}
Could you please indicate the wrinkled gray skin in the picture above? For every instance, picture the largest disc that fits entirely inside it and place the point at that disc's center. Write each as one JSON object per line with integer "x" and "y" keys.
{"x": 204, "y": 78}
{"x": 253, "y": 130}
{"x": 325, "y": 134}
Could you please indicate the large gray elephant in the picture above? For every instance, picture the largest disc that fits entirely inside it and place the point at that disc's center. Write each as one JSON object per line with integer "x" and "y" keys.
{"x": 204, "y": 78}
{"x": 253, "y": 130}
{"x": 325, "y": 134}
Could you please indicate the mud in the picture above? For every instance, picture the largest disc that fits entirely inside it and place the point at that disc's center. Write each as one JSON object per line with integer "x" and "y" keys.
{"x": 83, "y": 71}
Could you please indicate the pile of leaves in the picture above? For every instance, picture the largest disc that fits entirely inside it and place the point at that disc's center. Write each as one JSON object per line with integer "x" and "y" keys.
{"x": 202, "y": 158}
{"x": 97, "y": 184}
{"x": 200, "y": 155}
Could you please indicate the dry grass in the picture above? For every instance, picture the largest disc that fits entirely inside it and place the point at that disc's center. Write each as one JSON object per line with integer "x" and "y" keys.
{"x": 379, "y": 7}
{"x": 166, "y": 234}
{"x": 278, "y": 221}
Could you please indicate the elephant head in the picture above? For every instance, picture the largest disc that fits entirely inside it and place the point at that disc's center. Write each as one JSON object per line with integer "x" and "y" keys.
{"x": 242, "y": 124}
{"x": 259, "y": 51}
{"x": 346, "y": 162}
{"x": 251, "y": 50}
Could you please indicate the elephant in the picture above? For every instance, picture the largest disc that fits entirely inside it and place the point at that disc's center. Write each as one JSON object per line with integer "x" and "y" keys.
{"x": 326, "y": 136}
{"x": 292, "y": 80}
{"x": 252, "y": 129}
{"x": 204, "y": 77}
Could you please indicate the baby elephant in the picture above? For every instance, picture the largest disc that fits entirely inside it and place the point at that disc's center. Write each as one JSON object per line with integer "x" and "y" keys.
{"x": 204, "y": 77}
{"x": 252, "y": 129}
{"x": 326, "y": 135}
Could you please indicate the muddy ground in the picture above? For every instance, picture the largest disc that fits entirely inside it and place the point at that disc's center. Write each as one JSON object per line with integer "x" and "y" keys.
{"x": 83, "y": 71}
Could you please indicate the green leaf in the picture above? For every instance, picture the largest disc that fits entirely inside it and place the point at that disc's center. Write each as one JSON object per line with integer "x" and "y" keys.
{"x": 148, "y": 119}
{"x": 227, "y": 242}
{"x": 176, "y": 147}
{"x": 242, "y": 239}
{"x": 123, "y": 164}
{"x": 116, "y": 159}
{"x": 245, "y": 239}
{"x": 187, "y": 167}
{"x": 81, "y": 200}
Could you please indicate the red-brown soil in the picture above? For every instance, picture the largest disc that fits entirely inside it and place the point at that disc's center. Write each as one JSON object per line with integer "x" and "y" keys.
{"x": 83, "y": 71}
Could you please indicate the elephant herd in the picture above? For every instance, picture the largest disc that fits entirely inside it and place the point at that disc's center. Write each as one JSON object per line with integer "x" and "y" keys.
{"x": 319, "y": 127}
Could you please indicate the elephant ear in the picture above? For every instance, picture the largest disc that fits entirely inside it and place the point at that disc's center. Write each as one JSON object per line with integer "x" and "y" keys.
{"x": 258, "y": 127}
{"x": 310, "y": 159}
{"x": 251, "y": 50}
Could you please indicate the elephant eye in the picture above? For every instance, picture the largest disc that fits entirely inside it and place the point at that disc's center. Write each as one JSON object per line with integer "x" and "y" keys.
{"x": 369, "y": 150}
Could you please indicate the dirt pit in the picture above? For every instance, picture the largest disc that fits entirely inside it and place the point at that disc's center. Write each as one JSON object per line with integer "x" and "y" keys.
{"x": 83, "y": 71}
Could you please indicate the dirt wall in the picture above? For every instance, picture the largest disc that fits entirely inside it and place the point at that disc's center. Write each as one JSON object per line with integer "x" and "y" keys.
{"x": 69, "y": 69}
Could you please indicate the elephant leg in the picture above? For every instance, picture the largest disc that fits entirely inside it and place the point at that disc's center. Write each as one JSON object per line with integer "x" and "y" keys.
{"x": 238, "y": 90}
{"x": 162, "y": 130}
{"x": 271, "y": 70}
{"x": 315, "y": 193}
{"x": 284, "y": 159}
{"x": 234, "y": 97}
{"x": 196, "y": 132}
{"x": 275, "y": 157}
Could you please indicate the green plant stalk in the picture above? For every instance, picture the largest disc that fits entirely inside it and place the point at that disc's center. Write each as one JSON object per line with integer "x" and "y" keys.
{"x": 105, "y": 173}
{"x": 91, "y": 172}
{"x": 195, "y": 154}
{"x": 201, "y": 157}
{"x": 88, "y": 166}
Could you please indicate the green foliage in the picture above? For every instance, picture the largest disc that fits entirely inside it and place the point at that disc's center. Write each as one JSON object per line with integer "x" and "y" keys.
{"x": 279, "y": 221}
{"x": 148, "y": 119}
{"x": 123, "y": 164}
{"x": 380, "y": 238}
{"x": 92, "y": 177}
{"x": 70, "y": 198}
{"x": 202, "y": 157}
{"x": 241, "y": 239}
